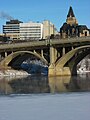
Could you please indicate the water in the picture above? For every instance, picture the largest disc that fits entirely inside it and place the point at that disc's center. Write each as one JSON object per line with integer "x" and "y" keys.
{"x": 38, "y": 97}
{"x": 34, "y": 84}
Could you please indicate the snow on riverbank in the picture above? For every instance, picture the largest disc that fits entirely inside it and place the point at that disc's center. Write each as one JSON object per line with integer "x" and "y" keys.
{"x": 13, "y": 73}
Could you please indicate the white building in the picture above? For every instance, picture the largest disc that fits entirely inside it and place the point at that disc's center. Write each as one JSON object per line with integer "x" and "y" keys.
{"x": 31, "y": 31}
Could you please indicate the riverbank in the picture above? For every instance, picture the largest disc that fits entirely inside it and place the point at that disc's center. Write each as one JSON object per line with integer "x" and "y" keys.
{"x": 11, "y": 72}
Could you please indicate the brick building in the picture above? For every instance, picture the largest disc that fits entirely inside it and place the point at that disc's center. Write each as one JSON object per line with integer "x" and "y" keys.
{"x": 71, "y": 28}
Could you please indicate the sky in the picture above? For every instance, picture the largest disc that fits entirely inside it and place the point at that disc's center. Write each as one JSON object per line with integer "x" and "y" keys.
{"x": 38, "y": 10}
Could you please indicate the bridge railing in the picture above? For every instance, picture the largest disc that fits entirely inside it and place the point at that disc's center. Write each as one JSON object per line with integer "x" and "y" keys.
{"x": 45, "y": 43}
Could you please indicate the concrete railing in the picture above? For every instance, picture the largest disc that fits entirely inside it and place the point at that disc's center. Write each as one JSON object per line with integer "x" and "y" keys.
{"x": 45, "y": 43}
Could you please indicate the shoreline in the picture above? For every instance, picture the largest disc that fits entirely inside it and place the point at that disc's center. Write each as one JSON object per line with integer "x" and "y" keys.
{"x": 13, "y": 73}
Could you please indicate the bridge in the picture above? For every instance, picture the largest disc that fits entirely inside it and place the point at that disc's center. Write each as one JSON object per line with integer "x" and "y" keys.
{"x": 61, "y": 55}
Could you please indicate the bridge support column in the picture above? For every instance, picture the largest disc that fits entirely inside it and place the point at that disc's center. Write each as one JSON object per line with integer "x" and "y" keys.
{"x": 5, "y": 54}
{"x": 63, "y": 50}
{"x": 54, "y": 70}
{"x": 34, "y": 51}
{"x": 42, "y": 53}
{"x": 58, "y": 54}
{"x": 72, "y": 47}
{"x": 53, "y": 55}
{"x": 51, "y": 69}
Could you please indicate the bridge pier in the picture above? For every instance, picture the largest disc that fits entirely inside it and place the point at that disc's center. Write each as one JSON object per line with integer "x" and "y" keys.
{"x": 53, "y": 55}
{"x": 56, "y": 71}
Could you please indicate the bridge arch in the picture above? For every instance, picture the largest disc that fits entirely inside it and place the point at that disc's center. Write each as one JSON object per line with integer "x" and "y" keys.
{"x": 72, "y": 58}
{"x": 74, "y": 62}
{"x": 66, "y": 65}
{"x": 20, "y": 56}
{"x": 63, "y": 60}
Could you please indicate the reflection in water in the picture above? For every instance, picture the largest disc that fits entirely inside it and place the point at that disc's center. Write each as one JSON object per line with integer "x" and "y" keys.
{"x": 30, "y": 84}
{"x": 43, "y": 84}
{"x": 59, "y": 84}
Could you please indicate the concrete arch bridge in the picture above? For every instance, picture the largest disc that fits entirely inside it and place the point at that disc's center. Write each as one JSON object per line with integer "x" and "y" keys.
{"x": 65, "y": 65}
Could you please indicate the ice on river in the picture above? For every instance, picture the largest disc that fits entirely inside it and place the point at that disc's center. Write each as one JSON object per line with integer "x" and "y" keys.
{"x": 66, "y": 106}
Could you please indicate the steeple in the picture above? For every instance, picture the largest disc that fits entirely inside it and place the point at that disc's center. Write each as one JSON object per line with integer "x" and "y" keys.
{"x": 70, "y": 13}
{"x": 71, "y": 17}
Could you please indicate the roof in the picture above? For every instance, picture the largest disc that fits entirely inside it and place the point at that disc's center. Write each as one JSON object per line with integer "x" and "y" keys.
{"x": 15, "y": 21}
{"x": 70, "y": 13}
{"x": 67, "y": 27}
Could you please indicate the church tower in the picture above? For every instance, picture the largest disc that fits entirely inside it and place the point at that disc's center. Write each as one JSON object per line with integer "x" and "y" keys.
{"x": 71, "y": 28}
{"x": 71, "y": 20}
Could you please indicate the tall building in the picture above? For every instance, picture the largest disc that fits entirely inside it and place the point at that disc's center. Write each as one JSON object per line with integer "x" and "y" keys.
{"x": 71, "y": 28}
{"x": 11, "y": 29}
{"x": 48, "y": 29}
{"x": 31, "y": 31}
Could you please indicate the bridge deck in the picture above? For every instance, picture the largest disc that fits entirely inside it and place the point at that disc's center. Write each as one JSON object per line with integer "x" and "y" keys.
{"x": 45, "y": 43}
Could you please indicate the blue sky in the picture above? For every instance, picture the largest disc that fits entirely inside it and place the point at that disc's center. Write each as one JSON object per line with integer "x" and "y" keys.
{"x": 39, "y": 10}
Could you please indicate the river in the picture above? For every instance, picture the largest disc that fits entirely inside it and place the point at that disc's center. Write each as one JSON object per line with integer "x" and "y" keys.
{"x": 33, "y": 84}
{"x": 38, "y": 97}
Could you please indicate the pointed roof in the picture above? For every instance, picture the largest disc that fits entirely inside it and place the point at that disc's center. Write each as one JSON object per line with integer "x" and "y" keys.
{"x": 70, "y": 13}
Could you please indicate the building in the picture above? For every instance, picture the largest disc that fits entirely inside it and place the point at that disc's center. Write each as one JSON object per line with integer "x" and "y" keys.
{"x": 11, "y": 29}
{"x": 37, "y": 30}
{"x": 48, "y": 29}
{"x": 71, "y": 28}
{"x": 16, "y": 29}
{"x": 31, "y": 31}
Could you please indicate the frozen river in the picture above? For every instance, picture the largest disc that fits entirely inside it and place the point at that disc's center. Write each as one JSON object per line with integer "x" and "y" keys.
{"x": 43, "y": 98}
{"x": 71, "y": 106}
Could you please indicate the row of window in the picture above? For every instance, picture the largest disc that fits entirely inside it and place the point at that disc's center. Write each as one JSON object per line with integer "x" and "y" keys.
{"x": 21, "y": 28}
{"x": 29, "y": 29}
{"x": 30, "y": 35}
{"x": 26, "y": 27}
{"x": 36, "y": 32}
{"x": 11, "y": 27}
{"x": 10, "y": 32}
